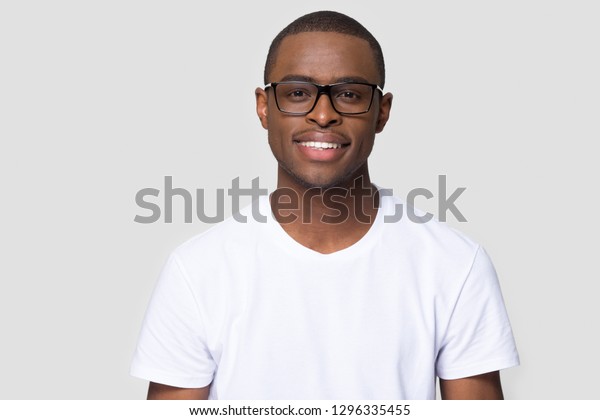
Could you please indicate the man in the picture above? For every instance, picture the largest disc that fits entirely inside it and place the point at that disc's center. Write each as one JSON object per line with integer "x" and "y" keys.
{"x": 327, "y": 299}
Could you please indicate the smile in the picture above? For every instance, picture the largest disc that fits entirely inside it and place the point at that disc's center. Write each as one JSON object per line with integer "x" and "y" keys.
{"x": 320, "y": 145}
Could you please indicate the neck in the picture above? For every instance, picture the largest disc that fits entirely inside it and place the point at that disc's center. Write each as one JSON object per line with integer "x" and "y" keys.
{"x": 326, "y": 219}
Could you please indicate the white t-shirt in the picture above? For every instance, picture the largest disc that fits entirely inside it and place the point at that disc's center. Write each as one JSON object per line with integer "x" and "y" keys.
{"x": 247, "y": 308}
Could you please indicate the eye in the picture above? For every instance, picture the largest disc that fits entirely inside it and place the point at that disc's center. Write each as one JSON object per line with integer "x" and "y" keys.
{"x": 297, "y": 93}
{"x": 349, "y": 96}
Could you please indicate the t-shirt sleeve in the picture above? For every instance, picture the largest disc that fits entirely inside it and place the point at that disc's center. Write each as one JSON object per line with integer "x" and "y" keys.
{"x": 172, "y": 346}
{"x": 478, "y": 338}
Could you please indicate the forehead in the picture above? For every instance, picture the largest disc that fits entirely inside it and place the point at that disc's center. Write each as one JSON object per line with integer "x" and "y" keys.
{"x": 325, "y": 57}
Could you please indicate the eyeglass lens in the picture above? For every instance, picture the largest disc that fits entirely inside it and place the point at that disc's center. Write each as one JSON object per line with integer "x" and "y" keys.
{"x": 351, "y": 98}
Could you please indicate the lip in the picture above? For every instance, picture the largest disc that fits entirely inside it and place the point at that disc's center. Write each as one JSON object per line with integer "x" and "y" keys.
{"x": 321, "y": 137}
{"x": 317, "y": 154}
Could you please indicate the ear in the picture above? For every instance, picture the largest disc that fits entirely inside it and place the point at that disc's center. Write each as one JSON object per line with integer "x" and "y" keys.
{"x": 385, "y": 105}
{"x": 262, "y": 102}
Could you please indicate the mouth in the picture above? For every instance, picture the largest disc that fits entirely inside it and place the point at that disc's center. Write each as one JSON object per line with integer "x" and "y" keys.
{"x": 321, "y": 145}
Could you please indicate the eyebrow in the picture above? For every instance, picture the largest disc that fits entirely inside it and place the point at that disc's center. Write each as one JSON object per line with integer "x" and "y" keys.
{"x": 301, "y": 78}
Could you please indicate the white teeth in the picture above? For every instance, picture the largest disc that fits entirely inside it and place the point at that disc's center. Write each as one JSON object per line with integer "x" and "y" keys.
{"x": 320, "y": 145}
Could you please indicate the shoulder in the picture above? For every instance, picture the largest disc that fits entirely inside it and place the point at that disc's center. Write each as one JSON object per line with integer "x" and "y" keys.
{"x": 215, "y": 264}
{"x": 437, "y": 257}
{"x": 425, "y": 234}
{"x": 235, "y": 233}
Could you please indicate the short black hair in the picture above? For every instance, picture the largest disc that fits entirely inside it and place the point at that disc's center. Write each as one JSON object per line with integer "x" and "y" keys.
{"x": 326, "y": 21}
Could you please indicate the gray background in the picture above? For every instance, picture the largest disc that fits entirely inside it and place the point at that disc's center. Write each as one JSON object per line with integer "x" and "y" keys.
{"x": 101, "y": 99}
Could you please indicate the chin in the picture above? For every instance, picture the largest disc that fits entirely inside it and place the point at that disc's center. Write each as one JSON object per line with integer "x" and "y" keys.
{"x": 322, "y": 182}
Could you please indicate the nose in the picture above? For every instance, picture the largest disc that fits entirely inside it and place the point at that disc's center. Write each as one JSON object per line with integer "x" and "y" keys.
{"x": 323, "y": 113}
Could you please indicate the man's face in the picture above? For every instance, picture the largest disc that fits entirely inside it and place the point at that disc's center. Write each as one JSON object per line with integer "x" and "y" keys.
{"x": 322, "y": 58}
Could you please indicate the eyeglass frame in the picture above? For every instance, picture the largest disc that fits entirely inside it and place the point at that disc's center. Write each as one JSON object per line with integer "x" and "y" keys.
{"x": 323, "y": 90}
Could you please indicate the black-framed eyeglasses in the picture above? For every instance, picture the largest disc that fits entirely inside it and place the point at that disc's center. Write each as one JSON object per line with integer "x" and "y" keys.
{"x": 300, "y": 98}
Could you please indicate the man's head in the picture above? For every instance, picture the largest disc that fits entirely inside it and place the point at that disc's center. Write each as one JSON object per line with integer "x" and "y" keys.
{"x": 323, "y": 146}
{"x": 326, "y": 21}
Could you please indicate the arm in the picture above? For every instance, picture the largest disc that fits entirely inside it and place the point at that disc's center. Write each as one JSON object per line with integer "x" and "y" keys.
{"x": 166, "y": 392}
{"x": 479, "y": 387}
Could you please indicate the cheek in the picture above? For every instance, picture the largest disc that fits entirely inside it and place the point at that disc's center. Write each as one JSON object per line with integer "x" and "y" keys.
{"x": 277, "y": 135}
{"x": 364, "y": 132}
{"x": 279, "y": 130}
